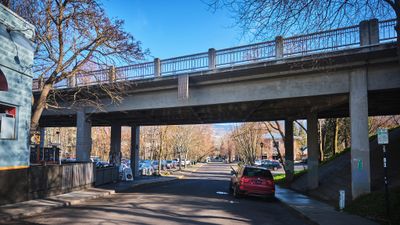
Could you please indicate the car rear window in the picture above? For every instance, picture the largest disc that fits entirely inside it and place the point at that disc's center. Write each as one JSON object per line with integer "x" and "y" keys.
{"x": 257, "y": 172}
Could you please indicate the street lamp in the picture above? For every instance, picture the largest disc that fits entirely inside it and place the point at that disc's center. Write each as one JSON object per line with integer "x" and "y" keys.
{"x": 261, "y": 146}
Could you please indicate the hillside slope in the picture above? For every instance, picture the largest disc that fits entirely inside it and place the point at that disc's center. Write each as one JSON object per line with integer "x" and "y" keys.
{"x": 336, "y": 174}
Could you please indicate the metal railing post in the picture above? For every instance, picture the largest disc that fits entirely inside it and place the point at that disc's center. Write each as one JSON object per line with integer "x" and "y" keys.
{"x": 279, "y": 47}
{"x": 111, "y": 75}
{"x": 157, "y": 67}
{"x": 212, "y": 59}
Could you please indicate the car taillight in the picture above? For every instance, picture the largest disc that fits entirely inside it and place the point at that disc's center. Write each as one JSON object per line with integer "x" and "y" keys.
{"x": 269, "y": 182}
{"x": 244, "y": 180}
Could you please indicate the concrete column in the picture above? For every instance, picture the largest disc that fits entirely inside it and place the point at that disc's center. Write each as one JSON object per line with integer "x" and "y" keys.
{"x": 71, "y": 81}
{"x": 360, "y": 154}
{"x": 115, "y": 148}
{"x": 157, "y": 67}
{"x": 42, "y": 137}
{"x": 83, "y": 136}
{"x": 212, "y": 59}
{"x": 364, "y": 33}
{"x": 112, "y": 75}
{"x": 289, "y": 151}
{"x": 373, "y": 31}
{"x": 135, "y": 140}
{"x": 279, "y": 47}
{"x": 312, "y": 150}
{"x": 369, "y": 32}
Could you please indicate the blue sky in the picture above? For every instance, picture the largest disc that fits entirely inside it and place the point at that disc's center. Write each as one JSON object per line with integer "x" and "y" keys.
{"x": 175, "y": 27}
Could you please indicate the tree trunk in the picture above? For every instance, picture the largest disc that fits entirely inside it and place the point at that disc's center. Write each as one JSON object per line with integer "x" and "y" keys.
{"x": 335, "y": 141}
{"x": 321, "y": 142}
{"x": 397, "y": 28}
{"x": 41, "y": 104}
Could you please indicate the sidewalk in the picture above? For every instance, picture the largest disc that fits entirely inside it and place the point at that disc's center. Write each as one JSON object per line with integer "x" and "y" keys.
{"x": 187, "y": 171}
{"x": 36, "y": 207}
{"x": 316, "y": 211}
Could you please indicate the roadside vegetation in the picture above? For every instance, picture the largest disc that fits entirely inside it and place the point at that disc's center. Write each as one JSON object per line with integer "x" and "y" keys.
{"x": 372, "y": 206}
{"x": 280, "y": 179}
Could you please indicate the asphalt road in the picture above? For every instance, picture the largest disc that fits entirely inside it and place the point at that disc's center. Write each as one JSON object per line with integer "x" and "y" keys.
{"x": 200, "y": 198}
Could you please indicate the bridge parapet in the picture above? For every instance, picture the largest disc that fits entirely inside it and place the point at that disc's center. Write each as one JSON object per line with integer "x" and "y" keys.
{"x": 369, "y": 32}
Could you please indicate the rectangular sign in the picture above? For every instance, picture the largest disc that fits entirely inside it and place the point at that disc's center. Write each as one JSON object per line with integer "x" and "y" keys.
{"x": 383, "y": 137}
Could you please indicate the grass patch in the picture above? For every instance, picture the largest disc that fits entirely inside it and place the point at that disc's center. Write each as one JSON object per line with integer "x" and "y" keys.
{"x": 373, "y": 206}
{"x": 335, "y": 156}
{"x": 281, "y": 178}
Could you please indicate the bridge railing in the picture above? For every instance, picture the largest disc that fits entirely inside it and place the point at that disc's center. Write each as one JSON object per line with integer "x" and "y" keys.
{"x": 366, "y": 33}
{"x": 387, "y": 31}
{"x": 324, "y": 41}
{"x": 184, "y": 64}
{"x": 245, "y": 54}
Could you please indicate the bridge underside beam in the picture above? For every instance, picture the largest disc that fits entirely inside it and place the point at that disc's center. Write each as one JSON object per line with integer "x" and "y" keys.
{"x": 379, "y": 103}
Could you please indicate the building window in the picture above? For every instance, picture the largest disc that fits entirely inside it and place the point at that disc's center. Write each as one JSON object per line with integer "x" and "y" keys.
{"x": 8, "y": 118}
{"x": 3, "y": 82}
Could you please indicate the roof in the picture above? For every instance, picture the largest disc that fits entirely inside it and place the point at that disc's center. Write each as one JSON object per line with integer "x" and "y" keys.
{"x": 15, "y": 22}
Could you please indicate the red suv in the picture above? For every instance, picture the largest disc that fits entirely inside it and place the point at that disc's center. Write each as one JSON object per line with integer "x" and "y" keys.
{"x": 252, "y": 180}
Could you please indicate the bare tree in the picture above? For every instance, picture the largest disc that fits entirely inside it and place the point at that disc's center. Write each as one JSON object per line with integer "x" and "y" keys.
{"x": 268, "y": 18}
{"x": 246, "y": 138}
{"x": 72, "y": 35}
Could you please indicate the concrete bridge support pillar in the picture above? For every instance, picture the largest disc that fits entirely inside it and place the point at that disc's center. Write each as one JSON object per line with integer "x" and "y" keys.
{"x": 83, "y": 136}
{"x": 289, "y": 152}
{"x": 115, "y": 148}
{"x": 360, "y": 154}
{"x": 135, "y": 140}
{"x": 42, "y": 136}
{"x": 313, "y": 151}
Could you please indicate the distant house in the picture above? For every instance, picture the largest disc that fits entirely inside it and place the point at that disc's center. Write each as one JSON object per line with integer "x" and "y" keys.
{"x": 16, "y": 59}
{"x": 270, "y": 148}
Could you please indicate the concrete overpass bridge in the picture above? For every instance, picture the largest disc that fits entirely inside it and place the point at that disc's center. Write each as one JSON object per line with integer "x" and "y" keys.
{"x": 352, "y": 71}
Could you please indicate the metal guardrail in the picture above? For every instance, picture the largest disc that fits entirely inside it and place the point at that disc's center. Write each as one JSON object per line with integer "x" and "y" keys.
{"x": 184, "y": 64}
{"x": 325, "y": 41}
{"x": 387, "y": 31}
{"x": 245, "y": 54}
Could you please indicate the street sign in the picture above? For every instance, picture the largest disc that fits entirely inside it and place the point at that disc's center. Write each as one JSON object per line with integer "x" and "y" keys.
{"x": 383, "y": 137}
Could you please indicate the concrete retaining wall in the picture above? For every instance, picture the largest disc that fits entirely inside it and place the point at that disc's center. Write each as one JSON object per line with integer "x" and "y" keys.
{"x": 106, "y": 175}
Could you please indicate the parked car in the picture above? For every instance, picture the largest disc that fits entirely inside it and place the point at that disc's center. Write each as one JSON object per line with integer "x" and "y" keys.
{"x": 252, "y": 180}
{"x": 102, "y": 164}
{"x": 145, "y": 168}
{"x": 257, "y": 162}
{"x": 175, "y": 163}
{"x": 170, "y": 164}
{"x": 271, "y": 165}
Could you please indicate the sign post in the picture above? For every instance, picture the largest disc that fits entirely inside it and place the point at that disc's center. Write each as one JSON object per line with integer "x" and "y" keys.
{"x": 383, "y": 139}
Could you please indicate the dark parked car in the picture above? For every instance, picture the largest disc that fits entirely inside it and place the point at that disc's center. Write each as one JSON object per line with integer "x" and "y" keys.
{"x": 271, "y": 165}
{"x": 252, "y": 180}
